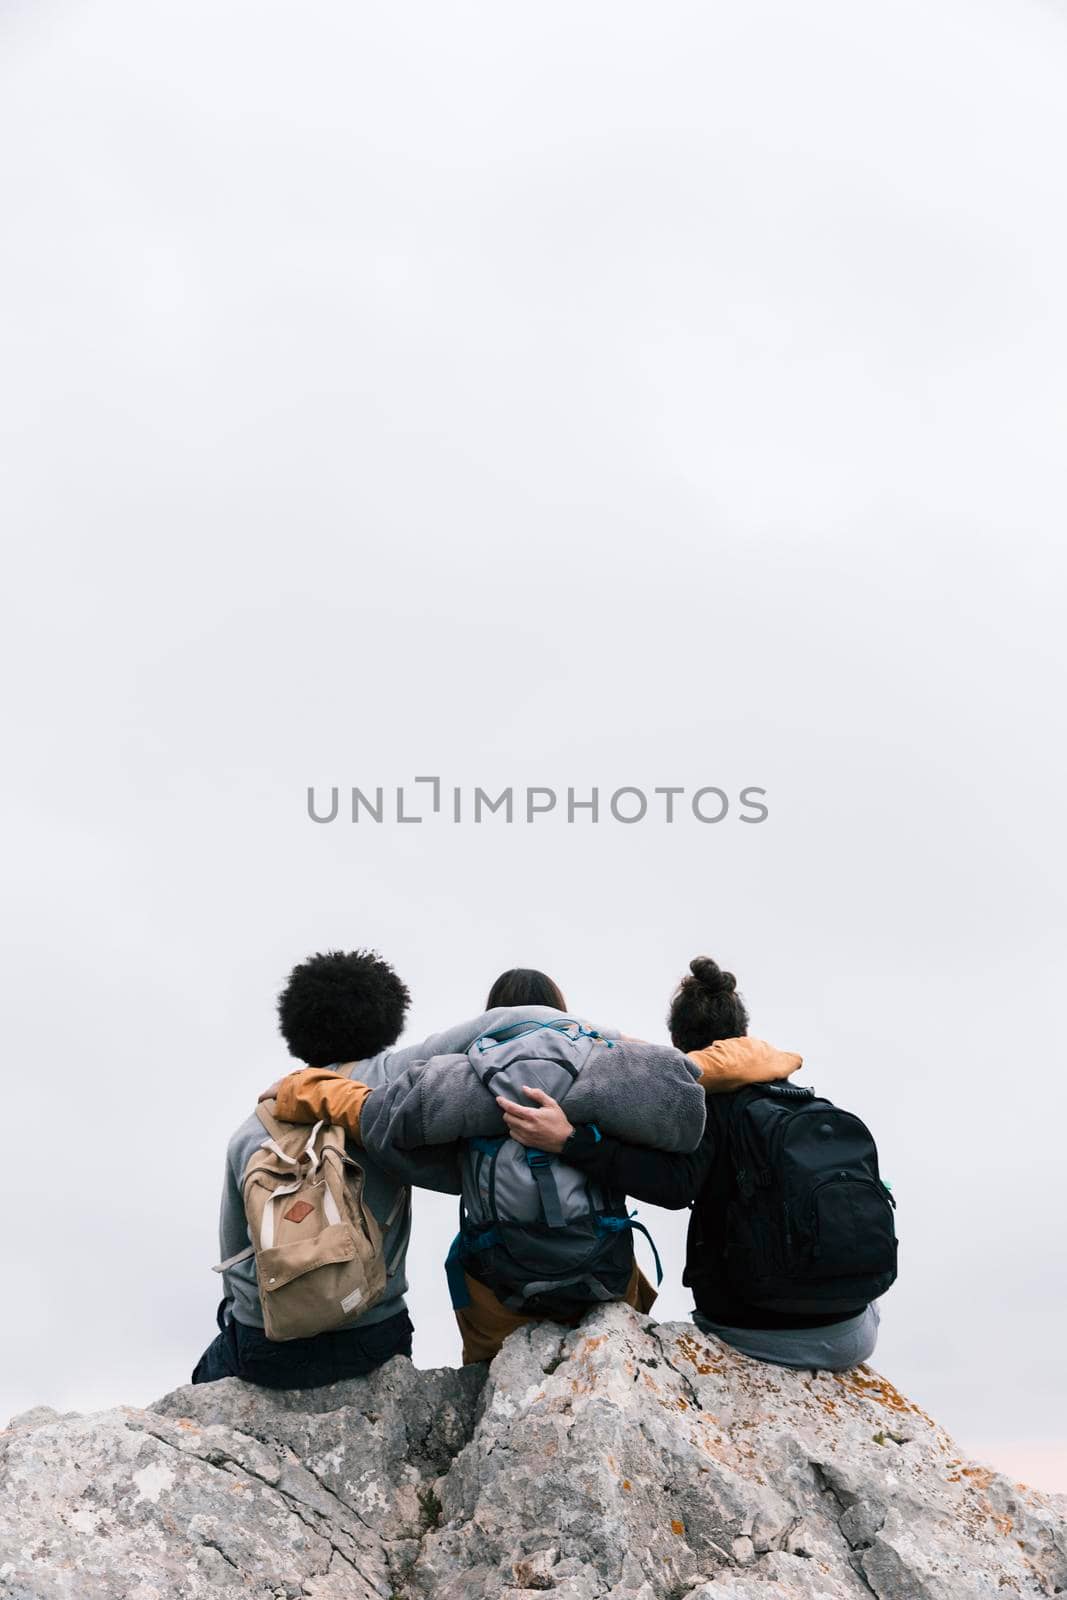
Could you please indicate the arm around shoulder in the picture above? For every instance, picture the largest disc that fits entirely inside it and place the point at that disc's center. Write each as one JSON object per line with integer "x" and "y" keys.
{"x": 459, "y": 1038}
{"x": 730, "y": 1064}
{"x": 658, "y": 1177}
{"x": 316, "y": 1095}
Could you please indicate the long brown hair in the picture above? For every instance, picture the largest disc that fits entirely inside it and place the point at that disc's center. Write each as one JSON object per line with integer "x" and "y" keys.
{"x": 525, "y": 986}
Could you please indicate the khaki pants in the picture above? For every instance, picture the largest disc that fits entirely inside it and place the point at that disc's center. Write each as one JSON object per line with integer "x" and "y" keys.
{"x": 486, "y": 1323}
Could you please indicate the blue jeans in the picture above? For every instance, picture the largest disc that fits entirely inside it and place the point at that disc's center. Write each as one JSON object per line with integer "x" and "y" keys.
{"x": 243, "y": 1352}
{"x": 831, "y": 1349}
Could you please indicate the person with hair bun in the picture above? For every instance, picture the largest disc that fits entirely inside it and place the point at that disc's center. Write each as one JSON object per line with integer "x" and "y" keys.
{"x": 708, "y": 1020}
{"x": 706, "y": 1006}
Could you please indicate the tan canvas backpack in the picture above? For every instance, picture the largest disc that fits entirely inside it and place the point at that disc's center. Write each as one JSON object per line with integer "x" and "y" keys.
{"x": 318, "y": 1246}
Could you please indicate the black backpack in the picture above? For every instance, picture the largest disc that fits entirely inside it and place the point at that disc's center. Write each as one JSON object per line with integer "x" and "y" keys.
{"x": 809, "y": 1226}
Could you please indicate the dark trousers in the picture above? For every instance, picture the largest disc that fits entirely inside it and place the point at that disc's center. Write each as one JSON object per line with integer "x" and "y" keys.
{"x": 243, "y": 1352}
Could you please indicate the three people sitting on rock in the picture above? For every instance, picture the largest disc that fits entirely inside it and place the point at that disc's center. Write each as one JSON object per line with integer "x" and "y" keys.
{"x": 545, "y": 1232}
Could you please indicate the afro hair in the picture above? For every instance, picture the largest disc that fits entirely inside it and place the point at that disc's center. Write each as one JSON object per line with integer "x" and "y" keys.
{"x": 341, "y": 1006}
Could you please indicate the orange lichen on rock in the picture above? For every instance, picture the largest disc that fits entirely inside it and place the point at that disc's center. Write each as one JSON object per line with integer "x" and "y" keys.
{"x": 677, "y": 1527}
{"x": 872, "y": 1386}
{"x": 695, "y": 1353}
{"x": 585, "y": 1381}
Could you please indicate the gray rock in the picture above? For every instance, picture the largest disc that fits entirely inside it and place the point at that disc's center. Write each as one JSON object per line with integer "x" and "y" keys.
{"x": 37, "y": 1416}
{"x": 626, "y": 1460}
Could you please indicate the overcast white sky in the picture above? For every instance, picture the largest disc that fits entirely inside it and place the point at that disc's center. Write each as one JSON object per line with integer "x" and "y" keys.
{"x": 589, "y": 394}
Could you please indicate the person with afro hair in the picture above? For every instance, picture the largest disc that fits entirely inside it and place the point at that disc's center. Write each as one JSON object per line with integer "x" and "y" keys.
{"x": 343, "y": 1010}
{"x": 341, "y": 1007}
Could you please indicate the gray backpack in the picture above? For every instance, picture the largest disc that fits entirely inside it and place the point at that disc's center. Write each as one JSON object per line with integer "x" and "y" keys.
{"x": 547, "y": 1240}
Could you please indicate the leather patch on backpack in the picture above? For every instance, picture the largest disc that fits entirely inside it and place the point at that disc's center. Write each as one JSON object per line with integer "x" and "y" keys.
{"x": 298, "y": 1211}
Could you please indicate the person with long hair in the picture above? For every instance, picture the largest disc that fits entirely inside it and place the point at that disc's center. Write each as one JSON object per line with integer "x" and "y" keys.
{"x": 525, "y": 986}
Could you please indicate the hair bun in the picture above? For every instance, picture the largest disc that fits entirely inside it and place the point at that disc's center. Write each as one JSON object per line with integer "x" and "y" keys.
{"x": 710, "y": 975}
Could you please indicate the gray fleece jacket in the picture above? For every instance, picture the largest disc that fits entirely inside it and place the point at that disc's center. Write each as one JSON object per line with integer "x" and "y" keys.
{"x": 644, "y": 1093}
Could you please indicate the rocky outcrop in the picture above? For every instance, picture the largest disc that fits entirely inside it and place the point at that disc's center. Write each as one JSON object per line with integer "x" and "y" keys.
{"x": 626, "y": 1459}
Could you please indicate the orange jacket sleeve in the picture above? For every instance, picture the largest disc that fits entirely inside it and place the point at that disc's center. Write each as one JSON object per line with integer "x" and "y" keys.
{"x": 315, "y": 1095}
{"x": 731, "y": 1063}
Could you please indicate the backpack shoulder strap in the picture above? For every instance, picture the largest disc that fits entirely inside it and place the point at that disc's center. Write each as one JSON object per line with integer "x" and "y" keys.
{"x": 744, "y": 1156}
{"x": 740, "y": 1100}
{"x": 265, "y": 1110}
{"x": 542, "y": 1170}
{"x": 283, "y": 1139}
{"x": 294, "y": 1142}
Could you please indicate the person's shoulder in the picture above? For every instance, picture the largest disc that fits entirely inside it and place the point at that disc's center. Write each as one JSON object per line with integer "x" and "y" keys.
{"x": 509, "y": 1016}
{"x": 719, "y": 1109}
{"x": 245, "y": 1139}
{"x": 373, "y": 1070}
{"x": 660, "y": 1057}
